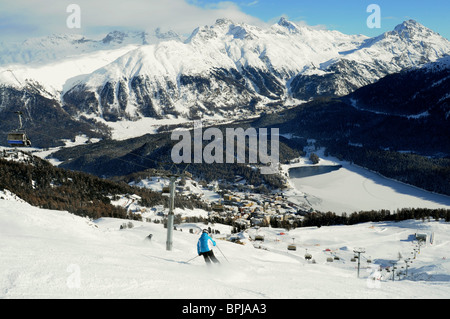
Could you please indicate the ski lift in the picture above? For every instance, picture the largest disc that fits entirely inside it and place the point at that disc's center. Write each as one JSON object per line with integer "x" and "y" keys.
{"x": 308, "y": 256}
{"x": 18, "y": 137}
{"x": 292, "y": 246}
{"x": 259, "y": 238}
{"x": 166, "y": 190}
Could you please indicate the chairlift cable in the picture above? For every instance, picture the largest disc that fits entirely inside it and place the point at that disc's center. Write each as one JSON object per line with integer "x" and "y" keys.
{"x": 123, "y": 160}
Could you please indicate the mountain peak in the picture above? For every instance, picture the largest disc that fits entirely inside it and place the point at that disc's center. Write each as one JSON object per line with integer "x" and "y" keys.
{"x": 169, "y": 35}
{"x": 115, "y": 37}
{"x": 412, "y": 28}
{"x": 224, "y": 21}
{"x": 288, "y": 25}
{"x": 408, "y": 24}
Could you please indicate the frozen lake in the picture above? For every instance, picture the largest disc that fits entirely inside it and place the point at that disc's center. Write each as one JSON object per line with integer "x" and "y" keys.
{"x": 349, "y": 188}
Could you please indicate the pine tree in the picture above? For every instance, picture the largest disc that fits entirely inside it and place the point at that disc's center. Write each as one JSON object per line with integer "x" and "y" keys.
{"x": 314, "y": 158}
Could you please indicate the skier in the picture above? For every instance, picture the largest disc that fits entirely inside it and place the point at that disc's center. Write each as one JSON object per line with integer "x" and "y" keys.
{"x": 204, "y": 248}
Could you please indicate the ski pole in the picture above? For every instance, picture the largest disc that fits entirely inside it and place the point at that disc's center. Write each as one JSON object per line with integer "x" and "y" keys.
{"x": 187, "y": 262}
{"x": 222, "y": 253}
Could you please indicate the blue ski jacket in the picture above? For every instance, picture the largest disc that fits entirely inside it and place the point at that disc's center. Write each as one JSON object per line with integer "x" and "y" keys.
{"x": 205, "y": 243}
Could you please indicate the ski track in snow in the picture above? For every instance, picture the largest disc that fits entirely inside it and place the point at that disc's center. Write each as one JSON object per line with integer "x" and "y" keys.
{"x": 45, "y": 252}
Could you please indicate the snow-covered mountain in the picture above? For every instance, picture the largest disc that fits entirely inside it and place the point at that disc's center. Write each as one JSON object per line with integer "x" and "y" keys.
{"x": 231, "y": 66}
{"x": 409, "y": 45}
{"x": 222, "y": 70}
{"x": 51, "y": 49}
{"x": 53, "y": 62}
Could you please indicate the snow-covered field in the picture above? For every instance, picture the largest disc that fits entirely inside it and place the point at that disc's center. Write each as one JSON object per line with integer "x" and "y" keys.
{"x": 353, "y": 188}
{"x": 51, "y": 254}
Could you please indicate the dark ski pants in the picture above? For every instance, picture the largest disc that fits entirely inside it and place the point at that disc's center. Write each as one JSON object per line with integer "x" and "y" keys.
{"x": 209, "y": 257}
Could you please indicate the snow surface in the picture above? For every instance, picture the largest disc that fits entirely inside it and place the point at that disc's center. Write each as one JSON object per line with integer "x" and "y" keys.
{"x": 392, "y": 44}
{"x": 353, "y": 188}
{"x": 60, "y": 75}
{"x": 53, "y": 254}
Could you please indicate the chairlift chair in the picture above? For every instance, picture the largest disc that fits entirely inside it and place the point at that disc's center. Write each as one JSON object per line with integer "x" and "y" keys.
{"x": 166, "y": 190}
{"x": 18, "y": 137}
{"x": 259, "y": 238}
{"x": 292, "y": 246}
{"x": 308, "y": 256}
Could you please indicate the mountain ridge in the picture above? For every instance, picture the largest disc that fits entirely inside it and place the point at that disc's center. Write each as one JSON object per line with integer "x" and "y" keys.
{"x": 224, "y": 71}
{"x": 263, "y": 61}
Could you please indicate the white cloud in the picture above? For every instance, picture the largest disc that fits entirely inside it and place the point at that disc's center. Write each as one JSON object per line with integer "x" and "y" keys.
{"x": 251, "y": 4}
{"x": 24, "y": 18}
{"x": 315, "y": 27}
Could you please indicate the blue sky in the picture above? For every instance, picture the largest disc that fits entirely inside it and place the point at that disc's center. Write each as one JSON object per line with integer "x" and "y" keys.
{"x": 349, "y": 16}
{"x": 20, "y": 19}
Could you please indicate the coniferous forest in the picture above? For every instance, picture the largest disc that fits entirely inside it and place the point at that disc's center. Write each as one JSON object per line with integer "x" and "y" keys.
{"x": 43, "y": 185}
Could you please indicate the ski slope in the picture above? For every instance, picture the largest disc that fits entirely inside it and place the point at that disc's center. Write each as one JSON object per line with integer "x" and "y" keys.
{"x": 52, "y": 254}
